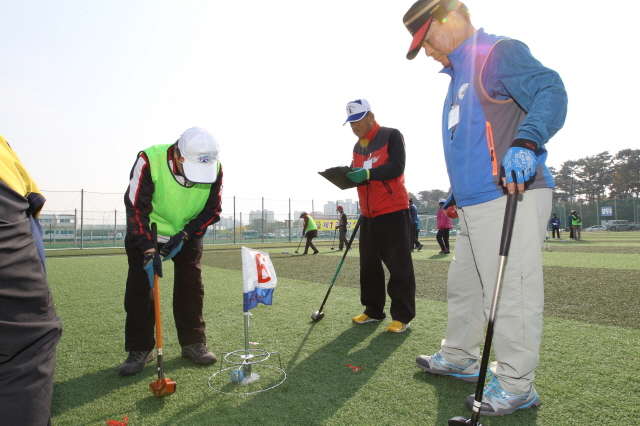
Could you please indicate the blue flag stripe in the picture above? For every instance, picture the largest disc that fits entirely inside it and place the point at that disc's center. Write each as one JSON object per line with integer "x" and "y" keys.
{"x": 259, "y": 295}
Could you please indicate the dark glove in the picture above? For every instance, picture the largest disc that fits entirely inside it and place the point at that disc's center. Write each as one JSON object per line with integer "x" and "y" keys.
{"x": 152, "y": 265}
{"x": 450, "y": 201}
{"x": 521, "y": 159}
{"x": 358, "y": 175}
{"x": 173, "y": 246}
{"x": 337, "y": 226}
{"x": 304, "y": 234}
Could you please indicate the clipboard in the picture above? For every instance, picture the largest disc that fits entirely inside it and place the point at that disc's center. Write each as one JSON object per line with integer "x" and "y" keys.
{"x": 338, "y": 177}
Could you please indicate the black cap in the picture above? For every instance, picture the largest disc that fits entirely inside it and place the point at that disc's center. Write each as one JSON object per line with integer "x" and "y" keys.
{"x": 419, "y": 17}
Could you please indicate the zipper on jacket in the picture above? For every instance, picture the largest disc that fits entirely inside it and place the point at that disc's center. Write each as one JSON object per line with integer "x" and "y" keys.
{"x": 389, "y": 190}
{"x": 492, "y": 151}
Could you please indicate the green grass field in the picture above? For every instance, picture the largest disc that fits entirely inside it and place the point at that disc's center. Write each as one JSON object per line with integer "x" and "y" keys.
{"x": 589, "y": 371}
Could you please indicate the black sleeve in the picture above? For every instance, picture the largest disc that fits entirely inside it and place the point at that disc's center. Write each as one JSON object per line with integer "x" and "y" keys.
{"x": 394, "y": 168}
{"x": 210, "y": 214}
{"x": 137, "y": 201}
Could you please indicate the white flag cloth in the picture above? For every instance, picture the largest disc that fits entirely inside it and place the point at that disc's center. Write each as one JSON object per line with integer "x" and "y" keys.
{"x": 259, "y": 278}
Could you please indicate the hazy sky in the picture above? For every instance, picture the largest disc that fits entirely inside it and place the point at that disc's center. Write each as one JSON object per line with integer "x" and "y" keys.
{"x": 85, "y": 85}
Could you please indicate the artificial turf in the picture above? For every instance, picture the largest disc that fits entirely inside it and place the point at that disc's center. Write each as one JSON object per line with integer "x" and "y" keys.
{"x": 589, "y": 370}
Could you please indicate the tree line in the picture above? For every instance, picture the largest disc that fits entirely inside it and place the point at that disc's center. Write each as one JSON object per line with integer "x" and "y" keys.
{"x": 593, "y": 178}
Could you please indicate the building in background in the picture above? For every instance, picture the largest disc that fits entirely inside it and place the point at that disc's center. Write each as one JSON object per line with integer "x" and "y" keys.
{"x": 350, "y": 207}
{"x": 269, "y": 216}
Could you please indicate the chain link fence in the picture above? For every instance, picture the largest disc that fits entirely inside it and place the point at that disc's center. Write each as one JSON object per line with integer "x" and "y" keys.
{"x": 83, "y": 219}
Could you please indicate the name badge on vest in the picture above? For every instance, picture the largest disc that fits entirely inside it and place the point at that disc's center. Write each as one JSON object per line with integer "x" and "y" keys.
{"x": 454, "y": 116}
{"x": 367, "y": 164}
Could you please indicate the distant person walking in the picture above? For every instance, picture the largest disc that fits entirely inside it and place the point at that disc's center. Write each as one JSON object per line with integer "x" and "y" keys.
{"x": 443, "y": 223}
{"x": 570, "y": 227}
{"x": 310, "y": 230}
{"x": 555, "y": 226}
{"x": 415, "y": 226}
{"x": 576, "y": 225}
{"x": 342, "y": 228}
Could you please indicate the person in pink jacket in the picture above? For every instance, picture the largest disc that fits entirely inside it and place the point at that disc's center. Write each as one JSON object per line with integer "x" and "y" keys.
{"x": 443, "y": 222}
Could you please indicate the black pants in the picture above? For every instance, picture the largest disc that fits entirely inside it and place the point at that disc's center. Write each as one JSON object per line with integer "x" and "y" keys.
{"x": 443, "y": 239}
{"x": 387, "y": 238}
{"x": 554, "y": 232}
{"x": 415, "y": 231}
{"x": 342, "y": 232}
{"x": 188, "y": 298}
{"x": 310, "y": 236}
{"x": 29, "y": 326}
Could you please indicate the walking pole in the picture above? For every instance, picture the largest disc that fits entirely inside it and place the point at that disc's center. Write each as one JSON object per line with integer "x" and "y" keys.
{"x": 507, "y": 230}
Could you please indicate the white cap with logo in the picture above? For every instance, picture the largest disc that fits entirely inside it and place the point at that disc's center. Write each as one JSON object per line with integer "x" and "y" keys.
{"x": 356, "y": 110}
{"x": 200, "y": 150}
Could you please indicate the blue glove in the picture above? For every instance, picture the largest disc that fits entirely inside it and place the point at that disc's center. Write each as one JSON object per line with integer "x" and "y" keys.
{"x": 152, "y": 265}
{"x": 450, "y": 201}
{"x": 522, "y": 161}
{"x": 304, "y": 233}
{"x": 173, "y": 246}
{"x": 358, "y": 175}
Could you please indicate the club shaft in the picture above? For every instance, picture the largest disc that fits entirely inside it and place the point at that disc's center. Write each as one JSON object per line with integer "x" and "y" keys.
{"x": 344, "y": 255}
{"x": 507, "y": 231}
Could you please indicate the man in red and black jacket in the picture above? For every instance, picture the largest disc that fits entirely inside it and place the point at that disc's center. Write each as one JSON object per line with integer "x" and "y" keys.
{"x": 385, "y": 230}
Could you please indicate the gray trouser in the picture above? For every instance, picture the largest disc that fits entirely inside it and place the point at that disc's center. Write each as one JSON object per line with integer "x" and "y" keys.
{"x": 576, "y": 232}
{"x": 472, "y": 278}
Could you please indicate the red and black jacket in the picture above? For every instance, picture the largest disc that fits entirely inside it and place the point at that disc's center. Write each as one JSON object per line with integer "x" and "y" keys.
{"x": 384, "y": 192}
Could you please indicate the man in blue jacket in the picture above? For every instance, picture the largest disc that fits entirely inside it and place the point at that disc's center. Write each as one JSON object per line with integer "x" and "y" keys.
{"x": 501, "y": 109}
{"x": 555, "y": 226}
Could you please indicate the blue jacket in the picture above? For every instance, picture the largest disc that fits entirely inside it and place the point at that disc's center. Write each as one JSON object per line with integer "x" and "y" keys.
{"x": 502, "y": 93}
{"x": 414, "y": 213}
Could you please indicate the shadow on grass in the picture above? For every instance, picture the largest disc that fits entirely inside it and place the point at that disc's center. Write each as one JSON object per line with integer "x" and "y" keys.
{"x": 85, "y": 389}
{"x": 452, "y": 394}
{"x": 317, "y": 386}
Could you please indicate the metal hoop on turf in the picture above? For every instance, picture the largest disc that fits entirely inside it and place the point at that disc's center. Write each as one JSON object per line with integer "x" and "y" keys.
{"x": 249, "y": 360}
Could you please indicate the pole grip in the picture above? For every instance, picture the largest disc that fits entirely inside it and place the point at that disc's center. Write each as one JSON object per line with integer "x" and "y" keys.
{"x": 507, "y": 225}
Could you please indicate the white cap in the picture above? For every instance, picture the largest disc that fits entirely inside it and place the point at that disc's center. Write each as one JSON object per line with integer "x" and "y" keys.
{"x": 356, "y": 110}
{"x": 303, "y": 213}
{"x": 200, "y": 150}
{"x": 442, "y": 200}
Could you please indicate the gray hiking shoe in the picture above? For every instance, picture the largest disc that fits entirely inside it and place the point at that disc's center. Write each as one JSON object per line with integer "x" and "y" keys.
{"x": 436, "y": 364}
{"x": 199, "y": 353}
{"x": 135, "y": 362}
{"x": 498, "y": 402}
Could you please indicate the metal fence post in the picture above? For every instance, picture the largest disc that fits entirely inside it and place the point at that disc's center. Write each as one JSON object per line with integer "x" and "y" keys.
{"x": 234, "y": 219}
{"x": 289, "y": 219}
{"x": 81, "y": 219}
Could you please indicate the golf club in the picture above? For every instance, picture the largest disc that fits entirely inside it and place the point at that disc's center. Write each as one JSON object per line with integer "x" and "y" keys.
{"x": 161, "y": 387}
{"x": 318, "y": 315}
{"x": 298, "y": 249}
{"x": 507, "y": 230}
{"x": 334, "y": 238}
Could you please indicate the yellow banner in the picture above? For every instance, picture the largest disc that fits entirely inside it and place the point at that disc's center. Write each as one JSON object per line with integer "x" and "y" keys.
{"x": 330, "y": 225}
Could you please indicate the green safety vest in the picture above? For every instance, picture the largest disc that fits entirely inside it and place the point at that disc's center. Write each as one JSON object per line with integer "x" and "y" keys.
{"x": 311, "y": 226}
{"x": 575, "y": 220}
{"x": 173, "y": 205}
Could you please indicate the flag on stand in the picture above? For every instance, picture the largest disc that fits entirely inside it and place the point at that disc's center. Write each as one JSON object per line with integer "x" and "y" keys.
{"x": 259, "y": 278}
